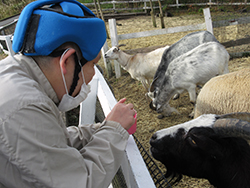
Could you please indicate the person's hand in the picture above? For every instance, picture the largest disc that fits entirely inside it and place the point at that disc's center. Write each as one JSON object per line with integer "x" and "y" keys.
{"x": 123, "y": 114}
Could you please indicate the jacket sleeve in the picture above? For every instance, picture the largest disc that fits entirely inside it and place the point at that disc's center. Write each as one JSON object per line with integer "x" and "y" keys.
{"x": 36, "y": 153}
{"x": 81, "y": 135}
{"x": 102, "y": 146}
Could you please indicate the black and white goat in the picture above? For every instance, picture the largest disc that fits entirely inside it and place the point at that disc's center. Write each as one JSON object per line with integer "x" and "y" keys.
{"x": 211, "y": 146}
{"x": 185, "y": 44}
{"x": 185, "y": 72}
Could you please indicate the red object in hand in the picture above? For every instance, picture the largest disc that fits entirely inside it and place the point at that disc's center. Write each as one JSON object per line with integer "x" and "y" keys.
{"x": 132, "y": 129}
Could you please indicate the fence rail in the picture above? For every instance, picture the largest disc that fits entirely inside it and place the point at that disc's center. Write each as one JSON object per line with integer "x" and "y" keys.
{"x": 208, "y": 25}
{"x": 145, "y": 4}
{"x": 115, "y": 37}
{"x": 133, "y": 167}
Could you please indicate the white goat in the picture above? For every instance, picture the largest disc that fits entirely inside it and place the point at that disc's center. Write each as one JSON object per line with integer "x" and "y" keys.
{"x": 225, "y": 94}
{"x": 196, "y": 66}
{"x": 141, "y": 66}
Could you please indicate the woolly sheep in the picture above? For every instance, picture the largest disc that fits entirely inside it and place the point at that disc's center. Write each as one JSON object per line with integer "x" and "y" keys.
{"x": 225, "y": 94}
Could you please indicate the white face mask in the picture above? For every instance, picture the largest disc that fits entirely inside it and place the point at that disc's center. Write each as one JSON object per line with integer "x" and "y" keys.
{"x": 68, "y": 102}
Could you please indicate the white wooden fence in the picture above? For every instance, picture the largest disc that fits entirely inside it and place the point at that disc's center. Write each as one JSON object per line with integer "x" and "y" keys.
{"x": 7, "y": 39}
{"x": 133, "y": 167}
{"x": 178, "y": 3}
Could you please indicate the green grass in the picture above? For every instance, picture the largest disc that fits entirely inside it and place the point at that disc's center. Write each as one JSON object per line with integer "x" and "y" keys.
{"x": 12, "y": 7}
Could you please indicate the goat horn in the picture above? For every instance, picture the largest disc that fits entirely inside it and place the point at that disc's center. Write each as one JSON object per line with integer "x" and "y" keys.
{"x": 234, "y": 124}
{"x": 119, "y": 45}
{"x": 245, "y": 116}
{"x": 152, "y": 85}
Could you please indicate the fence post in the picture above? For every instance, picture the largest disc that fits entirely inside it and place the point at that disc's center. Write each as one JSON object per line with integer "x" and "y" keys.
{"x": 9, "y": 45}
{"x": 208, "y": 20}
{"x": 114, "y": 42}
{"x": 114, "y": 6}
{"x": 145, "y": 7}
{"x": 107, "y": 63}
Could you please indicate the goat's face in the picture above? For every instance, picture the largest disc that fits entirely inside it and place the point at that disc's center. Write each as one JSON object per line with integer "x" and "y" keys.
{"x": 161, "y": 95}
{"x": 112, "y": 53}
{"x": 154, "y": 104}
{"x": 160, "y": 105}
{"x": 176, "y": 147}
{"x": 199, "y": 149}
{"x": 165, "y": 109}
{"x": 194, "y": 153}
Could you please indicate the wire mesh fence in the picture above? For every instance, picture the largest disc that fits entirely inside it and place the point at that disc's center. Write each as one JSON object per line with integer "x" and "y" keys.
{"x": 231, "y": 29}
{"x": 155, "y": 172}
{"x": 119, "y": 180}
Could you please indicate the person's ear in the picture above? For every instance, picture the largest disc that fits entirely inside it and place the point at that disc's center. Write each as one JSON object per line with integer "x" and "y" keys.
{"x": 64, "y": 59}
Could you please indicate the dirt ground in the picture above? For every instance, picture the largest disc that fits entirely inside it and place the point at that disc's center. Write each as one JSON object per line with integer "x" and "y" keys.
{"x": 125, "y": 86}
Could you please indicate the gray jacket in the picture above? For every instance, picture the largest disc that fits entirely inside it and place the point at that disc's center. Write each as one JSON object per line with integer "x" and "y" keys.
{"x": 36, "y": 148}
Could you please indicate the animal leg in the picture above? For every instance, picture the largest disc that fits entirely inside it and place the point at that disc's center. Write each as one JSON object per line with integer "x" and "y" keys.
{"x": 192, "y": 93}
{"x": 145, "y": 85}
{"x": 176, "y": 96}
{"x": 191, "y": 115}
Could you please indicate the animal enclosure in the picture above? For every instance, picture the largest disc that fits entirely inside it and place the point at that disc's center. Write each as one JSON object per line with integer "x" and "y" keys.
{"x": 133, "y": 90}
{"x": 125, "y": 86}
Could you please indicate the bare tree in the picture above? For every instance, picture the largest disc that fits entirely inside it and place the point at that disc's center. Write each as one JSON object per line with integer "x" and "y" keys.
{"x": 161, "y": 16}
{"x": 152, "y": 12}
{"x": 97, "y": 11}
{"x": 99, "y": 6}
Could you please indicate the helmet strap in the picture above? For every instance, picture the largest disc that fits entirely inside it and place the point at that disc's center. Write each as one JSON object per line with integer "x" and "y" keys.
{"x": 30, "y": 36}
{"x": 78, "y": 69}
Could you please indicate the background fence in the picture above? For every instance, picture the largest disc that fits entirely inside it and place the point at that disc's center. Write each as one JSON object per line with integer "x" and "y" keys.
{"x": 144, "y": 5}
{"x": 230, "y": 28}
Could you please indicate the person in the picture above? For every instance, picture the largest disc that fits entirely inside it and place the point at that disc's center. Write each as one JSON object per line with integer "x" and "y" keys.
{"x": 58, "y": 43}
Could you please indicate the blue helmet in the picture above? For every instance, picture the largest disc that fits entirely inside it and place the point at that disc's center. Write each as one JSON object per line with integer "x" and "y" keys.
{"x": 41, "y": 29}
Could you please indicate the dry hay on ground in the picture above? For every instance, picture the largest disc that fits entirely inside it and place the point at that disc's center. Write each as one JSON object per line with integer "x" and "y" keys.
{"x": 143, "y": 23}
{"x": 147, "y": 121}
{"x": 125, "y": 86}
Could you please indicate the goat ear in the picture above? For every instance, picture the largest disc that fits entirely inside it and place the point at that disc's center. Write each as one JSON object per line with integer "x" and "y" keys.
{"x": 116, "y": 49}
{"x": 152, "y": 106}
{"x": 152, "y": 86}
{"x": 207, "y": 145}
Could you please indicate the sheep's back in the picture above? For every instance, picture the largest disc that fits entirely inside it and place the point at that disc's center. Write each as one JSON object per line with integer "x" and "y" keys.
{"x": 225, "y": 94}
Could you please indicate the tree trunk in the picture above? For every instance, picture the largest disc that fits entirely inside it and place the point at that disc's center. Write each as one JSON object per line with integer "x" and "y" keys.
{"x": 161, "y": 15}
{"x": 99, "y": 5}
{"x": 152, "y": 13}
{"x": 97, "y": 11}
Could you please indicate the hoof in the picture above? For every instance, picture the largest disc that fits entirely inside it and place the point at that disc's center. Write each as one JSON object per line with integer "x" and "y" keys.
{"x": 191, "y": 115}
{"x": 176, "y": 96}
{"x": 160, "y": 116}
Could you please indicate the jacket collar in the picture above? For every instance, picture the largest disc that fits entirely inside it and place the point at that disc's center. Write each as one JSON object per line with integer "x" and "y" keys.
{"x": 36, "y": 73}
